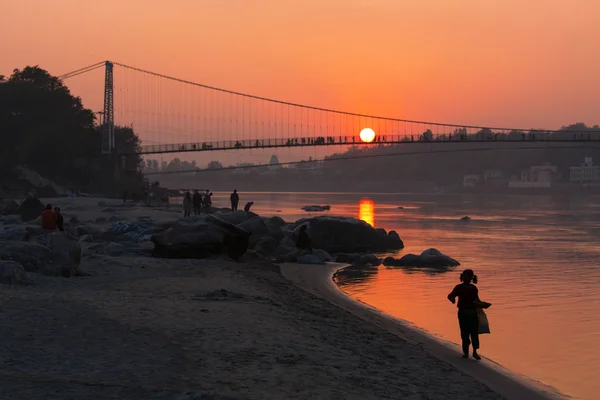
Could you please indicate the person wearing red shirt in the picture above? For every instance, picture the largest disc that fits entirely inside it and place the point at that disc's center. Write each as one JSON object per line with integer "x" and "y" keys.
{"x": 48, "y": 218}
{"x": 468, "y": 296}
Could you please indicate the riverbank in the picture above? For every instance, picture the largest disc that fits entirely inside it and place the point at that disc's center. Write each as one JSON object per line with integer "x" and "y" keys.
{"x": 319, "y": 281}
{"x": 145, "y": 328}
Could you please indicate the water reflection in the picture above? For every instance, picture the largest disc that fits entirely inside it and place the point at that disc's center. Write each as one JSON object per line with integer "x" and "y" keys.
{"x": 366, "y": 211}
{"x": 353, "y": 275}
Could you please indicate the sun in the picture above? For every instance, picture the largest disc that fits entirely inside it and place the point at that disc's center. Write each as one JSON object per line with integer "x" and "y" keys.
{"x": 367, "y": 135}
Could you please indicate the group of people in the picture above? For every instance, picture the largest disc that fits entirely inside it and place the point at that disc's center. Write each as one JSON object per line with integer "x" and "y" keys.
{"x": 195, "y": 203}
{"x": 52, "y": 219}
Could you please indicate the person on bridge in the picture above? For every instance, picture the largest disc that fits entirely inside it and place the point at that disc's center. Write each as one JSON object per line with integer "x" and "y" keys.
{"x": 235, "y": 199}
{"x": 197, "y": 202}
{"x": 187, "y": 204}
{"x": 48, "y": 218}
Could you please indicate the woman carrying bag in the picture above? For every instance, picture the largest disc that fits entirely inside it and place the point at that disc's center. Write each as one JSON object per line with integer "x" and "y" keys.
{"x": 470, "y": 309}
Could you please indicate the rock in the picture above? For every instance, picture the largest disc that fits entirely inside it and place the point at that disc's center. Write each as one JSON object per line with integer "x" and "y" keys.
{"x": 86, "y": 239}
{"x": 73, "y": 220}
{"x": 199, "y": 238}
{"x": 316, "y": 208}
{"x": 276, "y": 222}
{"x": 309, "y": 259}
{"x": 265, "y": 245}
{"x": 109, "y": 210}
{"x": 465, "y": 218}
{"x": 381, "y": 231}
{"x": 10, "y": 220}
{"x": 400, "y": 208}
{"x": 350, "y": 235}
{"x": 14, "y": 233}
{"x": 323, "y": 255}
{"x": 114, "y": 218}
{"x": 430, "y": 258}
{"x": 48, "y": 252}
{"x": 100, "y": 220}
{"x": 30, "y": 208}
{"x": 12, "y": 272}
{"x": 131, "y": 231}
{"x": 259, "y": 229}
{"x": 102, "y": 204}
{"x": 114, "y": 249}
{"x": 8, "y": 207}
{"x": 90, "y": 230}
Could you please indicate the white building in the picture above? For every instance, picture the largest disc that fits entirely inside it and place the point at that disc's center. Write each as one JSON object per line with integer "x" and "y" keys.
{"x": 586, "y": 172}
{"x": 539, "y": 176}
{"x": 470, "y": 181}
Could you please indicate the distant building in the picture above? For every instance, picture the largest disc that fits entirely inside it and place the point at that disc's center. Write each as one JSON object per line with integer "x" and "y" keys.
{"x": 539, "y": 176}
{"x": 586, "y": 172}
{"x": 470, "y": 181}
{"x": 492, "y": 174}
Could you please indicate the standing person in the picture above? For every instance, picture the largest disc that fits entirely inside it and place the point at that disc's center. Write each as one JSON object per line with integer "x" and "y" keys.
{"x": 468, "y": 296}
{"x": 197, "y": 202}
{"x": 235, "y": 199}
{"x": 48, "y": 220}
{"x": 187, "y": 204}
{"x": 205, "y": 199}
{"x": 303, "y": 241}
{"x": 58, "y": 218}
{"x": 209, "y": 200}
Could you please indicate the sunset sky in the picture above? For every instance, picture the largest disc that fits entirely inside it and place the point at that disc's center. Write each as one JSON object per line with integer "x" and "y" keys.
{"x": 532, "y": 63}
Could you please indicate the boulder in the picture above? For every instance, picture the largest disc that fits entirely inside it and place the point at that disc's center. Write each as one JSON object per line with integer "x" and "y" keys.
{"x": 430, "y": 258}
{"x": 140, "y": 230}
{"x": 108, "y": 210}
{"x": 8, "y": 207}
{"x": 465, "y": 218}
{"x": 276, "y": 222}
{"x": 12, "y": 272}
{"x": 100, "y": 220}
{"x": 265, "y": 246}
{"x": 30, "y": 208}
{"x": 48, "y": 252}
{"x": 259, "y": 229}
{"x": 199, "y": 238}
{"x": 102, "y": 204}
{"x": 350, "y": 235}
{"x": 323, "y": 255}
{"x": 90, "y": 230}
{"x": 10, "y": 220}
{"x": 316, "y": 208}
{"x": 13, "y": 233}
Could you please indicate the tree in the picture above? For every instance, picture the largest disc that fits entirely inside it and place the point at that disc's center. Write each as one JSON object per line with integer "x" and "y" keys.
{"x": 427, "y": 136}
{"x": 43, "y": 126}
{"x": 214, "y": 165}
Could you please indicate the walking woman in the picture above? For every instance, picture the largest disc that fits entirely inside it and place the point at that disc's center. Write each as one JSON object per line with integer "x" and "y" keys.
{"x": 187, "y": 204}
{"x": 468, "y": 299}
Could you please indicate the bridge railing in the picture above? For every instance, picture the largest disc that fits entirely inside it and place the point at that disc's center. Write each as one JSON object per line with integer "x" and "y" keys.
{"x": 356, "y": 140}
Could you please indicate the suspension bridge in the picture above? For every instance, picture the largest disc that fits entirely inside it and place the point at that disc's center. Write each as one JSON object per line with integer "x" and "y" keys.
{"x": 172, "y": 115}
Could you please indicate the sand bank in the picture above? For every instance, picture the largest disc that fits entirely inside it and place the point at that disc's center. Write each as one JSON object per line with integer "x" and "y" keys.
{"x": 319, "y": 281}
{"x": 146, "y": 328}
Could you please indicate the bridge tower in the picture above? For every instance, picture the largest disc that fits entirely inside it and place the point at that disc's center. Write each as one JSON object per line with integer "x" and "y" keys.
{"x": 108, "y": 127}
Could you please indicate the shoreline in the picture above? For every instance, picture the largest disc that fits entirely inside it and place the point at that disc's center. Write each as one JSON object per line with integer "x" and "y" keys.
{"x": 318, "y": 280}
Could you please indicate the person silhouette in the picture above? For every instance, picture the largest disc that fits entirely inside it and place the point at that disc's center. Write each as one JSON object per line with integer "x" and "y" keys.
{"x": 468, "y": 297}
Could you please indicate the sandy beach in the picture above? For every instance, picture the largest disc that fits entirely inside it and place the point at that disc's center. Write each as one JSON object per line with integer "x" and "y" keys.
{"x": 147, "y": 328}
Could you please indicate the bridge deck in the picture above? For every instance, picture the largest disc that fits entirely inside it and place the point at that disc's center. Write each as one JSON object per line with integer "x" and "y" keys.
{"x": 355, "y": 140}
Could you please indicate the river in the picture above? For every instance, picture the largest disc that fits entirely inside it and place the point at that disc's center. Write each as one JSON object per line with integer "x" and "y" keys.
{"x": 536, "y": 258}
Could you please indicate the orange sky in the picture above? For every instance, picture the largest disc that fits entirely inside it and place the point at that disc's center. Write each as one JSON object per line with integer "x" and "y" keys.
{"x": 532, "y": 63}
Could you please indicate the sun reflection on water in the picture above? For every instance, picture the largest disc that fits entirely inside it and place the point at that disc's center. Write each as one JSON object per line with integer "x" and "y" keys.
{"x": 366, "y": 211}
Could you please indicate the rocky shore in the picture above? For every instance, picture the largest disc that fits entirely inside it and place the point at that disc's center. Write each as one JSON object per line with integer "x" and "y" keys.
{"x": 95, "y": 315}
